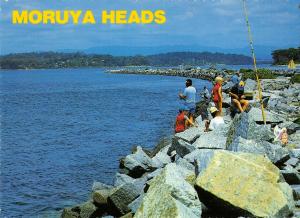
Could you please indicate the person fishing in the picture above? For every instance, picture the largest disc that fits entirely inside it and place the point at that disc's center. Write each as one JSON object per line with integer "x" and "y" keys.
{"x": 238, "y": 98}
{"x": 216, "y": 122}
{"x": 235, "y": 79}
{"x": 182, "y": 119}
{"x": 205, "y": 95}
{"x": 189, "y": 97}
{"x": 217, "y": 94}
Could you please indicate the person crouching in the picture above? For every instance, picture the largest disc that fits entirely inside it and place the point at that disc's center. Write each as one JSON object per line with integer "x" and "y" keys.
{"x": 181, "y": 119}
{"x": 238, "y": 98}
{"x": 216, "y": 122}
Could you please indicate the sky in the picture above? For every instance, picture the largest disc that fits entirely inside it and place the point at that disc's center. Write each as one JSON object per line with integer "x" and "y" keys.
{"x": 208, "y": 23}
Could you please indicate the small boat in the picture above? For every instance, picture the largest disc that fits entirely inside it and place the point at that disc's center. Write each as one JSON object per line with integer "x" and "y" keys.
{"x": 291, "y": 64}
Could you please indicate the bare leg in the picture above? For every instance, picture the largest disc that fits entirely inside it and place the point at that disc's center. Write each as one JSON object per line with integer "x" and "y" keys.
{"x": 244, "y": 103}
{"x": 238, "y": 105}
{"x": 220, "y": 108}
{"x": 206, "y": 125}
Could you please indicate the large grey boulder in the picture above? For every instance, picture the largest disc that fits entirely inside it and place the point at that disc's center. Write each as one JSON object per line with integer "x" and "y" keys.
{"x": 87, "y": 209}
{"x": 296, "y": 191}
{"x": 161, "y": 159}
{"x": 185, "y": 164}
{"x": 295, "y": 153}
{"x": 215, "y": 139}
{"x": 100, "y": 197}
{"x": 100, "y": 193}
{"x": 122, "y": 179}
{"x": 227, "y": 87}
{"x": 121, "y": 197}
{"x": 170, "y": 195}
{"x": 139, "y": 163}
{"x": 275, "y": 84}
{"x": 197, "y": 154}
{"x": 274, "y": 152}
{"x": 244, "y": 125}
{"x": 243, "y": 184}
{"x": 151, "y": 175}
{"x": 100, "y": 186}
{"x": 250, "y": 86}
{"x": 292, "y": 162}
{"x": 136, "y": 203}
{"x": 291, "y": 175}
{"x": 182, "y": 147}
{"x": 162, "y": 145}
{"x": 295, "y": 139}
{"x": 189, "y": 135}
{"x": 256, "y": 115}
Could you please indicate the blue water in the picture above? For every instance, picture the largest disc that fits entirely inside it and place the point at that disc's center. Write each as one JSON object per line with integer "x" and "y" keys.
{"x": 64, "y": 129}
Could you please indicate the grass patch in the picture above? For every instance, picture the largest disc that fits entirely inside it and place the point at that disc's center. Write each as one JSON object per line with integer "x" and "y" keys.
{"x": 262, "y": 73}
{"x": 296, "y": 78}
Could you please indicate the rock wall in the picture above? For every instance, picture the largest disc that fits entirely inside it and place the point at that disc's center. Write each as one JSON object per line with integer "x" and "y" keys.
{"x": 237, "y": 170}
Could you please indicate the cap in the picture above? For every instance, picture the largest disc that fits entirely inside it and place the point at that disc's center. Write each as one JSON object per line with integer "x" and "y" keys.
{"x": 213, "y": 110}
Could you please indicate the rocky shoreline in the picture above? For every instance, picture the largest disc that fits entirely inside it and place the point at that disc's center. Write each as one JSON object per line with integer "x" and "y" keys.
{"x": 197, "y": 73}
{"x": 230, "y": 172}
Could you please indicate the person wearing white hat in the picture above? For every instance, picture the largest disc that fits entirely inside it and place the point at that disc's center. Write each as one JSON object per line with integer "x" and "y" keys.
{"x": 216, "y": 122}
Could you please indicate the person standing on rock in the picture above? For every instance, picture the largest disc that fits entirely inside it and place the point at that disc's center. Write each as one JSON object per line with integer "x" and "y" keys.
{"x": 217, "y": 94}
{"x": 189, "y": 97}
{"x": 205, "y": 94}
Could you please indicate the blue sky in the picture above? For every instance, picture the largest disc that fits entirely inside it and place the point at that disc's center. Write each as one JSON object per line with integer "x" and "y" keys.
{"x": 209, "y": 23}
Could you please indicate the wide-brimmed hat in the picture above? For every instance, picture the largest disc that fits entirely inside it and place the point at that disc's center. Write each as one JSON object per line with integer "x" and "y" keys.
{"x": 213, "y": 110}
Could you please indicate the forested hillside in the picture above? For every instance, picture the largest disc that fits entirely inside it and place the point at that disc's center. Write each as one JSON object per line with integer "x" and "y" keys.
{"x": 75, "y": 60}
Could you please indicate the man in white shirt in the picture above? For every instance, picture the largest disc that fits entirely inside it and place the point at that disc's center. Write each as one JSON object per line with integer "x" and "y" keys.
{"x": 216, "y": 122}
{"x": 189, "y": 96}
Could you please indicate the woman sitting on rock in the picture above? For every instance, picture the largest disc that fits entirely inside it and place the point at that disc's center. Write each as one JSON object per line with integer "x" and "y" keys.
{"x": 182, "y": 119}
{"x": 217, "y": 94}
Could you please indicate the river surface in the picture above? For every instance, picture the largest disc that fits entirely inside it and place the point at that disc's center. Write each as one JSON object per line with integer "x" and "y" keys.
{"x": 61, "y": 130}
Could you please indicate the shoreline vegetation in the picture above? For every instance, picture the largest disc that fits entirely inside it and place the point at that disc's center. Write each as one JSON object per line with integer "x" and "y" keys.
{"x": 55, "y": 60}
{"x": 221, "y": 173}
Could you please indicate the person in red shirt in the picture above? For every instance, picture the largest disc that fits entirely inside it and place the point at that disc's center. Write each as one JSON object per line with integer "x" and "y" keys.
{"x": 217, "y": 94}
{"x": 180, "y": 124}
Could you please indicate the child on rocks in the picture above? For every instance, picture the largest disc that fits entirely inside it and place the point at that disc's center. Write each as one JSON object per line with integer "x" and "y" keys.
{"x": 180, "y": 124}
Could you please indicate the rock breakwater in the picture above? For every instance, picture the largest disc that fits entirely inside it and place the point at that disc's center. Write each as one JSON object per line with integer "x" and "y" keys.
{"x": 231, "y": 172}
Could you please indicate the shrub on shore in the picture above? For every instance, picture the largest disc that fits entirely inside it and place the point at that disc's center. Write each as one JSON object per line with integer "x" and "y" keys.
{"x": 262, "y": 73}
{"x": 295, "y": 78}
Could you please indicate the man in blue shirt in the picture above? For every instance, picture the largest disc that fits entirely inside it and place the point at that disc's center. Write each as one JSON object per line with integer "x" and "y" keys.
{"x": 235, "y": 79}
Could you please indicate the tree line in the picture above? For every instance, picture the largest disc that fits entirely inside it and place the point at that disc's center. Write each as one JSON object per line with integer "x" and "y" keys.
{"x": 39, "y": 60}
{"x": 283, "y": 56}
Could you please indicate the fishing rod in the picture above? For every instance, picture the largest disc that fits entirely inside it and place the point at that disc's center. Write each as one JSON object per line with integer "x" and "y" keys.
{"x": 254, "y": 62}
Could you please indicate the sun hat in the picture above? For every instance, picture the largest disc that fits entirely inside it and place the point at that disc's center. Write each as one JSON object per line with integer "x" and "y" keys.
{"x": 213, "y": 110}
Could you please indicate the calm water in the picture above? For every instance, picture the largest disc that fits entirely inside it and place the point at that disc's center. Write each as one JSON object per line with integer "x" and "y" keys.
{"x": 64, "y": 129}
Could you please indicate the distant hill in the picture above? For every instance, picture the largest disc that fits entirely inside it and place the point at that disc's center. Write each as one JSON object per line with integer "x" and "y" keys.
{"x": 74, "y": 60}
{"x": 261, "y": 51}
